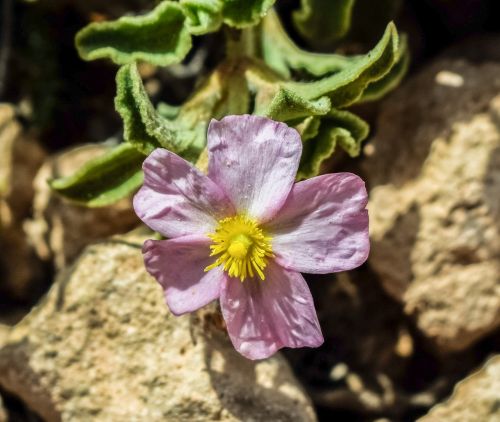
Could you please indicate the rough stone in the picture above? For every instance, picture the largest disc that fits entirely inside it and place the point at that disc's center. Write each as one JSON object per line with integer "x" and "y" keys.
{"x": 3, "y": 413}
{"x": 435, "y": 208}
{"x": 370, "y": 353}
{"x": 474, "y": 399}
{"x": 103, "y": 346}
{"x": 4, "y": 333}
{"x": 362, "y": 328}
{"x": 61, "y": 229}
{"x": 20, "y": 158}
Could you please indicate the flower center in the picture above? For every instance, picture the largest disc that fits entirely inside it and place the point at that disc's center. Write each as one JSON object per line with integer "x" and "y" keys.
{"x": 242, "y": 246}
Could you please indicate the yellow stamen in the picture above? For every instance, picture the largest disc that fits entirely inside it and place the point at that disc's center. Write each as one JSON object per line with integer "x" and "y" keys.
{"x": 242, "y": 246}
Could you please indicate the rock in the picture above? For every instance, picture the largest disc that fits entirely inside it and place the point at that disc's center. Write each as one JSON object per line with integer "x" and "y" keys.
{"x": 474, "y": 399}
{"x": 435, "y": 208}
{"x": 20, "y": 158}
{"x": 372, "y": 364}
{"x": 3, "y": 413}
{"x": 22, "y": 272}
{"x": 60, "y": 229}
{"x": 103, "y": 346}
{"x": 367, "y": 347}
{"x": 4, "y": 333}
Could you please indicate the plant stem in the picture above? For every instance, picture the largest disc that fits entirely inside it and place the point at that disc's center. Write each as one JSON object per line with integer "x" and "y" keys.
{"x": 240, "y": 42}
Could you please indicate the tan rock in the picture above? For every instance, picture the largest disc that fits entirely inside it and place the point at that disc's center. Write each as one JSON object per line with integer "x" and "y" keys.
{"x": 371, "y": 362}
{"x": 3, "y": 413}
{"x": 435, "y": 202}
{"x": 103, "y": 346}
{"x": 4, "y": 332}
{"x": 474, "y": 399}
{"x": 61, "y": 229}
{"x": 20, "y": 158}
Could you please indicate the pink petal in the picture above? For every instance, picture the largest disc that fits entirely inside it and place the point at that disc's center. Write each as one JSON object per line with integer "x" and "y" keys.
{"x": 323, "y": 226}
{"x": 254, "y": 160}
{"x": 178, "y": 265}
{"x": 177, "y": 199}
{"x": 264, "y": 316}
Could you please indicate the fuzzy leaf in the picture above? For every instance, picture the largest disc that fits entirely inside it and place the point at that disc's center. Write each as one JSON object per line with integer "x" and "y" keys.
{"x": 104, "y": 180}
{"x": 129, "y": 100}
{"x": 358, "y": 130}
{"x": 339, "y": 128}
{"x": 308, "y": 127}
{"x": 160, "y": 37}
{"x": 323, "y": 21}
{"x": 286, "y": 105}
{"x": 283, "y": 55}
{"x": 167, "y": 110}
{"x": 318, "y": 150}
{"x": 376, "y": 90}
{"x": 204, "y": 16}
{"x": 346, "y": 87}
{"x": 244, "y": 13}
{"x": 144, "y": 126}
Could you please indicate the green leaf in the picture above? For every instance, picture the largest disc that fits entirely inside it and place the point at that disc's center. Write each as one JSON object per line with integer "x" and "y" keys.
{"x": 160, "y": 37}
{"x": 318, "y": 150}
{"x": 338, "y": 128}
{"x": 104, "y": 180}
{"x": 322, "y": 22}
{"x": 376, "y": 90}
{"x": 283, "y": 55}
{"x": 204, "y": 16}
{"x": 358, "y": 130}
{"x": 346, "y": 87}
{"x": 286, "y": 105}
{"x": 167, "y": 110}
{"x": 129, "y": 102}
{"x": 144, "y": 127}
{"x": 308, "y": 127}
{"x": 244, "y": 13}
{"x": 274, "y": 100}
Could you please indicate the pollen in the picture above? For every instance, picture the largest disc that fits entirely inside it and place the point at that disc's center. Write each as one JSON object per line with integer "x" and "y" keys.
{"x": 241, "y": 246}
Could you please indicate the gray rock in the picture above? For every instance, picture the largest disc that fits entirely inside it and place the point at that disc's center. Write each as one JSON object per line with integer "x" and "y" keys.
{"x": 103, "y": 346}
{"x": 435, "y": 200}
{"x": 61, "y": 229}
{"x": 474, "y": 399}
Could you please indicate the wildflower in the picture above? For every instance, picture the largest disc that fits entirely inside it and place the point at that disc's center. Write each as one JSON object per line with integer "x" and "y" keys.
{"x": 244, "y": 232}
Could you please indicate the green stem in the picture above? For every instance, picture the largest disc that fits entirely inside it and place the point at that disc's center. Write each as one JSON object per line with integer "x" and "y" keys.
{"x": 241, "y": 42}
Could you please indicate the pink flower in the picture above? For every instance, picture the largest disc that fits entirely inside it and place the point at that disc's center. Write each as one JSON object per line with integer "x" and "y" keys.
{"x": 244, "y": 232}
